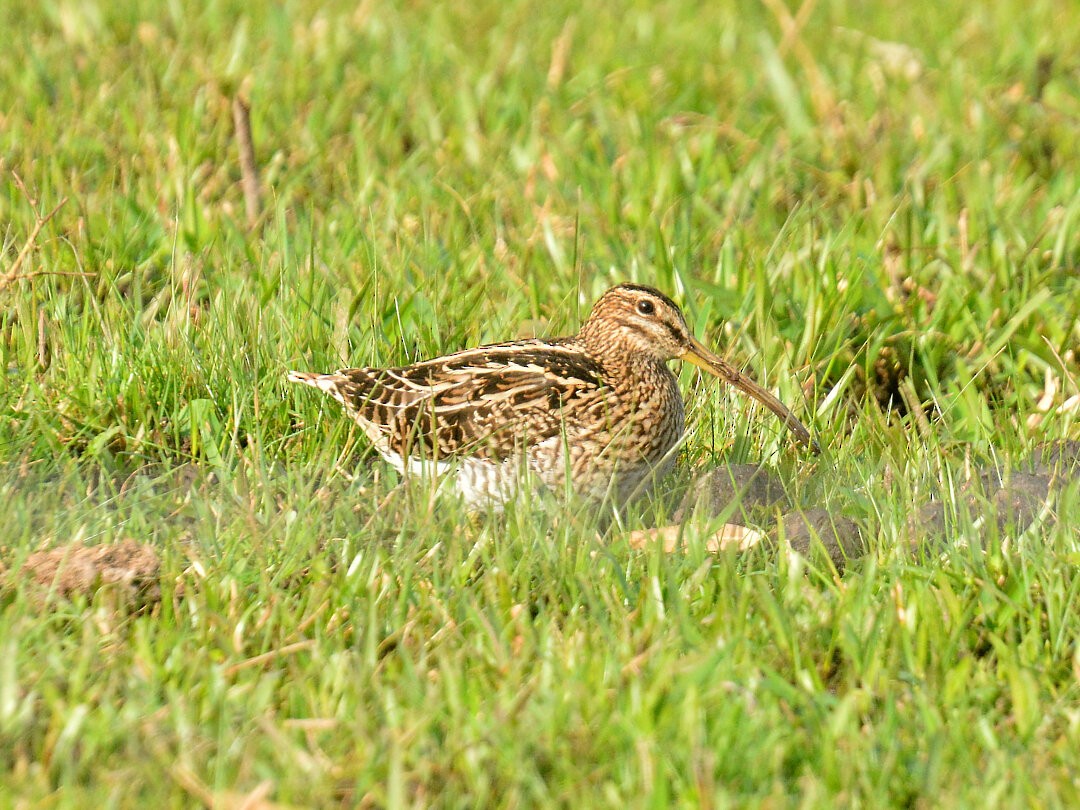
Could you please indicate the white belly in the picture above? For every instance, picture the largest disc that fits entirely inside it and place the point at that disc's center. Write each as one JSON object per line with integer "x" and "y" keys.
{"x": 480, "y": 483}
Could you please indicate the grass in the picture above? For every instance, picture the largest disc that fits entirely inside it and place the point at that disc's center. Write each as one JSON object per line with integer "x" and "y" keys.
{"x": 873, "y": 207}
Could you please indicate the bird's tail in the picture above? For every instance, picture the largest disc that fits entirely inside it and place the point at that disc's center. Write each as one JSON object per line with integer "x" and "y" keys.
{"x": 305, "y": 377}
{"x": 327, "y": 383}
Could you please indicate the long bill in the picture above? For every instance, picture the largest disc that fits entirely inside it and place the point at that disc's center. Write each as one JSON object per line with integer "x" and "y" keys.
{"x": 705, "y": 359}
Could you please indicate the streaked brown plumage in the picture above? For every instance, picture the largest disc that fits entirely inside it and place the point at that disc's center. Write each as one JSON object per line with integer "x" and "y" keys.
{"x": 599, "y": 413}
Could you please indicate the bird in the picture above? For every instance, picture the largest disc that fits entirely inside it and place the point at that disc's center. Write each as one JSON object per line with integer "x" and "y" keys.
{"x": 598, "y": 414}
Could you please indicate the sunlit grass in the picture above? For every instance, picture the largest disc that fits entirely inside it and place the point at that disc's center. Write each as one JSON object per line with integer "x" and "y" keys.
{"x": 875, "y": 212}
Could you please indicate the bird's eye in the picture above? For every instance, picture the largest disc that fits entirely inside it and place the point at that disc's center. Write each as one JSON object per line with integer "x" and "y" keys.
{"x": 645, "y": 307}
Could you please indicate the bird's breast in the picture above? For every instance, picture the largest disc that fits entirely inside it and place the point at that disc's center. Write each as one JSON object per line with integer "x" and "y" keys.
{"x": 653, "y": 417}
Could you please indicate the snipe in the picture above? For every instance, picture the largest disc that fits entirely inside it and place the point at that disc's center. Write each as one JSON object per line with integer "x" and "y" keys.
{"x": 599, "y": 413}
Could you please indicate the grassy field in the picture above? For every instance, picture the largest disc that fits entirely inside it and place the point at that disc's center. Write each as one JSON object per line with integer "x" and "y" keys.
{"x": 872, "y": 207}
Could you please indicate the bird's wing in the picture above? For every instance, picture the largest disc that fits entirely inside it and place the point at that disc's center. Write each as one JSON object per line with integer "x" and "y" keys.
{"x": 482, "y": 403}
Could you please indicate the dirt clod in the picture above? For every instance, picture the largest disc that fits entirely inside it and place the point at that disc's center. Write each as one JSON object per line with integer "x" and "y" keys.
{"x": 1010, "y": 499}
{"x": 747, "y": 488}
{"x": 128, "y": 566}
{"x": 1019, "y": 501}
{"x": 838, "y": 536}
{"x": 927, "y": 525}
{"x": 1058, "y": 458}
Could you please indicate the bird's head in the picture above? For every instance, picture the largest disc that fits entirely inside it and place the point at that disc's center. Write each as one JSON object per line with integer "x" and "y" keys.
{"x": 635, "y": 321}
{"x": 638, "y": 320}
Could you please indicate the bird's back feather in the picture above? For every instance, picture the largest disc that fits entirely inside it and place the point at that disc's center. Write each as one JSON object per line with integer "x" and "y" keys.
{"x": 487, "y": 403}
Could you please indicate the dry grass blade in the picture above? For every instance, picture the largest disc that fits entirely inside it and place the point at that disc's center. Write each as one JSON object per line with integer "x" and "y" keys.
{"x": 265, "y": 657}
{"x": 729, "y": 536}
{"x": 40, "y": 221}
{"x": 249, "y": 170}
